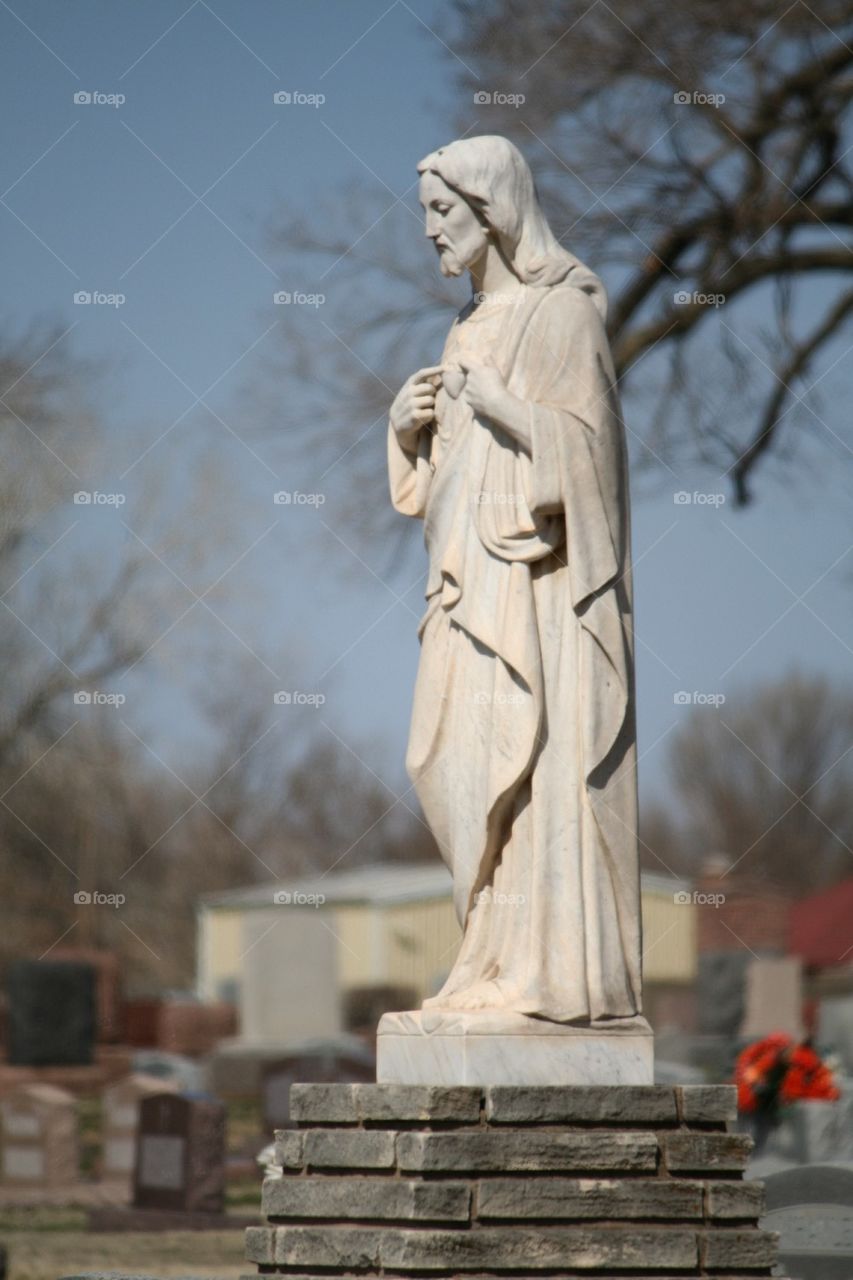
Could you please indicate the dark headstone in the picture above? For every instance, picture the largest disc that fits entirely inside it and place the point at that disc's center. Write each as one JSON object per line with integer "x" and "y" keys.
{"x": 52, "y": 1013}
{"x": 180, "y": 1154}
{"x": 811, "y": 1207}
{"x": 364, "y": 1006}
{"x": 328, "y": 1066}
{"x": 720, "y": 984}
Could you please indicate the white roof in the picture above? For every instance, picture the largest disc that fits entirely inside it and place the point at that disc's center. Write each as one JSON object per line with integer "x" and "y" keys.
{"x": 381, "y": 883}
{"x": 384, "y": 883}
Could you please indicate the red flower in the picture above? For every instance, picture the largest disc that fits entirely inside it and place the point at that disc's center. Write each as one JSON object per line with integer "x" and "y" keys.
{"x": 774, "y": 1070}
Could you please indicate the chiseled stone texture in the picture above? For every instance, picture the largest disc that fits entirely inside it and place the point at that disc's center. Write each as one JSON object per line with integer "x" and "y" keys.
{"x": 399, "y": 1180}
{"x": 526, "y": 1151}
{"x": 604, "y": 1198}
{"x": 368, "y": 1198}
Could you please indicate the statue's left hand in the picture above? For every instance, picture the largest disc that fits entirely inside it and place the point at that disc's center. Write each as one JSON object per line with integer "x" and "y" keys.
{"x": 489, "y": 397}
{"x": 485, "y": 391}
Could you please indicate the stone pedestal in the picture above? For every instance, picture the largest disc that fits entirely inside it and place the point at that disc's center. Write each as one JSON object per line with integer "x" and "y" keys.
{"x": 499, "y": 1047}
{"x": 498, "y": 1181}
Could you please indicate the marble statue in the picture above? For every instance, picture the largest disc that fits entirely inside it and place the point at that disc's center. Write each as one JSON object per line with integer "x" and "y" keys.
{"x": 522, "y": 748}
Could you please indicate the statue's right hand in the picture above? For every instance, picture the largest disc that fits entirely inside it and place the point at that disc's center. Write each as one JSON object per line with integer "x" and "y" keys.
{"x": 414, "y": 405}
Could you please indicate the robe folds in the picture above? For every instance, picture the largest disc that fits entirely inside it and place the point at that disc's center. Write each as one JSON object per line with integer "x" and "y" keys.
{"x": 522, "y": 748}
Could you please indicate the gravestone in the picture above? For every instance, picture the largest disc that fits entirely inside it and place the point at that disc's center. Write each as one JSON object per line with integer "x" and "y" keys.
{"x": 180, "y": 1154}
{"x": 39, "y": 1137}
{"x": 52, "y": 1013}
{"x": 327, "y": 1064}
{"x": 812, "y": 1209}
{"x": 121, "y": 1103}
{"x": 773, "y": 997}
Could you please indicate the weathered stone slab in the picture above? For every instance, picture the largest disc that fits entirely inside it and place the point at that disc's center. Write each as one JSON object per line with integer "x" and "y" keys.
{"x": 349, "y": 1247}
{"x": 513, "y": 1248}
{"x": 288, "y": 1149}
{"x": 581, "y": 1104}
{"x": 348, "y": 1149}
{"x": 732, "y": 1248}
{"x": 529, "y": 1150}
{"x": 428, "y": 1103}
{"x": 706, "y": 1152}
{"x": 707, "y": 1103}
{"x": 369, "y": 1198}
{"x": 734, "y": 1199}
{"x": 524, "y": 1198}
{"x": 323, "y": 1104}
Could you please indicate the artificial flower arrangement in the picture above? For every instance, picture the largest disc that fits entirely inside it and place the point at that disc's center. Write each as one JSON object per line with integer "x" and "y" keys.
{"x": 776, "y": 1071}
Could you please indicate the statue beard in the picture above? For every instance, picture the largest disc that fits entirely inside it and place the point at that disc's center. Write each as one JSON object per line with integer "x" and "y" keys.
{"x": 449, "y": 264}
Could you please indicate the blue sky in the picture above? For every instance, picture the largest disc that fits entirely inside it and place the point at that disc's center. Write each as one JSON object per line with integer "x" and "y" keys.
{"x": 166, "y": 198}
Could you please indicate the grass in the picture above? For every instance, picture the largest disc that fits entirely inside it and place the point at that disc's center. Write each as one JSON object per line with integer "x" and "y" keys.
{"x": 47, "y": 1255}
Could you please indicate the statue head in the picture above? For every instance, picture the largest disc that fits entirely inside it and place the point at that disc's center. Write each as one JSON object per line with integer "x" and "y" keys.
{"x": 480, "y": 190}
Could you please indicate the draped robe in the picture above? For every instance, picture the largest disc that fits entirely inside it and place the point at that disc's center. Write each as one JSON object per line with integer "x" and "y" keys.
{"x": 522, "y": 748}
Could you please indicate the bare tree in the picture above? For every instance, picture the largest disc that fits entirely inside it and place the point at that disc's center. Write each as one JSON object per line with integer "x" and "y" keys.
{"x": 701, "y": 159}
{"x": 766, "y": 779}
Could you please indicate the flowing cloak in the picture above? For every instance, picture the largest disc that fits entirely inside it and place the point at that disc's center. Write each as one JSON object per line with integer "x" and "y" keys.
{"x": 522, "y": 748}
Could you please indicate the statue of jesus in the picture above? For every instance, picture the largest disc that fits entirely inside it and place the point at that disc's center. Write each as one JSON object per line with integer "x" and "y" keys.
{"x": 522, "y": 748}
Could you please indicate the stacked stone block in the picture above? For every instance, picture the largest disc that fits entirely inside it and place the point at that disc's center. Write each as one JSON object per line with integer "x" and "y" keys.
{"x": 401, "y": 1181}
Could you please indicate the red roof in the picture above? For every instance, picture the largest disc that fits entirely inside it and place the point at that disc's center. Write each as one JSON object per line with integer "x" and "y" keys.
{"x": 822, "y": 927}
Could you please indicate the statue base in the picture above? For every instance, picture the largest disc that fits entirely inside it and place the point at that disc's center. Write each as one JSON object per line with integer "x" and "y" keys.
{"x": 450, "y": 1047}
{"x": 402, "y": 1181}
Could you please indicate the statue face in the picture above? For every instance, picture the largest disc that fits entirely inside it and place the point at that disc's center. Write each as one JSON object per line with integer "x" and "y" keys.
{"x": 452, "y": 225}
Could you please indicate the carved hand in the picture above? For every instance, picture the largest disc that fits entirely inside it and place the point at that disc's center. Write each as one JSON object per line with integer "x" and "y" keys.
{"x": 414, "y": 405}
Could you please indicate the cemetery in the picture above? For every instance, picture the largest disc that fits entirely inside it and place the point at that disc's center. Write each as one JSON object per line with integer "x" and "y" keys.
{"x": 426, "y": 746}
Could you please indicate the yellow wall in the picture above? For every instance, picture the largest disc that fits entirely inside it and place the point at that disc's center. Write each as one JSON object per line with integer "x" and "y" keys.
{"x": 669, "y": 939}
{"x": 413, "y": 944}
{"x": 220, "y": 948}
